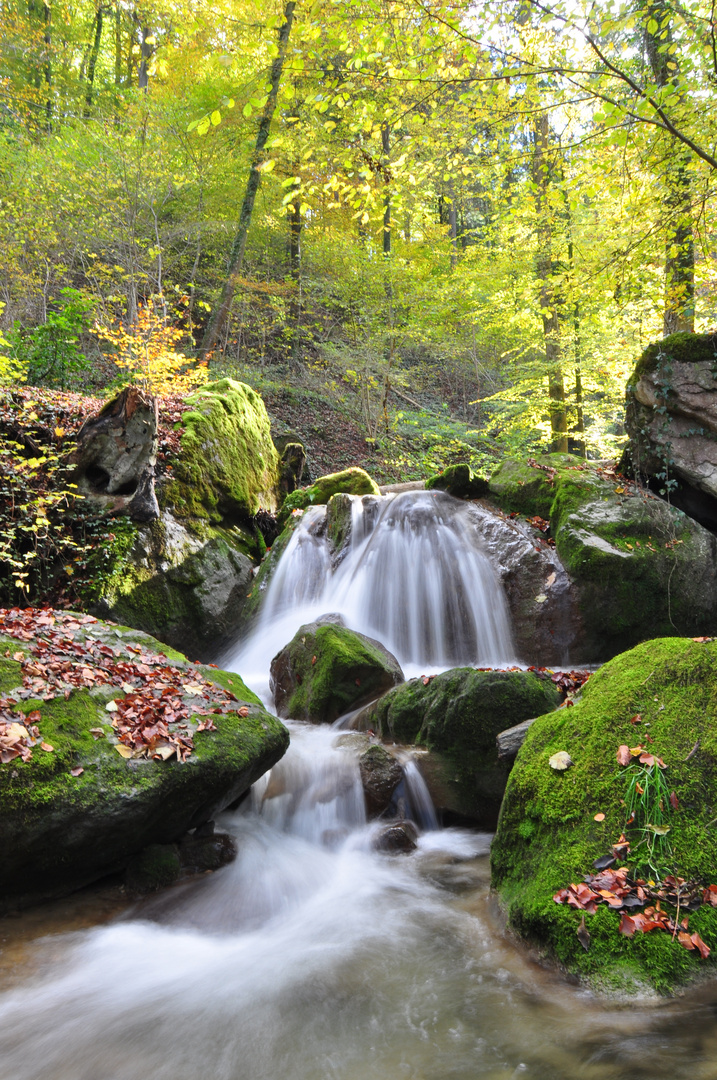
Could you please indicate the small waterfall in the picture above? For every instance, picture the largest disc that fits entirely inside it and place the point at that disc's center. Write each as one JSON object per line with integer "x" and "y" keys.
{"x": 414, "y": 575}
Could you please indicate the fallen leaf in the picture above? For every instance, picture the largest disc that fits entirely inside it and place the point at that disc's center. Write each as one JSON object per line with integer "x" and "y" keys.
{"x": 637, "y": 719}
{"x": 97, "y": 732}
{"x": 111, "y": 706}
{"x": 623, "y": 754}
{"x": 244, "y": 711}
{"x": 47, "y": 748}
{"x": 620, "y": 491}
{"x": 674, "y": 802}
{"x": 599, "y": 817}
{"x": 659, "y": 830}
{"x": 627, "y": 925}
{"x": 122, "y": 750}
{"x": 704, "y": 950}
{"x": 551, "y": 580}
{"x": 541, "y": 598}
{"x": 77, "y": 772}
{"x": 560, "y": 761}
{"x": 313, "y": 660}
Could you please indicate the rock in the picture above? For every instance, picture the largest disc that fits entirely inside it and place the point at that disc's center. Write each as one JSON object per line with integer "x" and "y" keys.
{"x": 153, "y": 868}
{"x": 200, "y": 852}
{"x": 339, "y": 517}
{"x": 326, "y": 670}
{"x": 554, "y": 826}
{"x": 82, "y": 810}
{"x": 398, "y": 838}
{"x": 459, "y": 481}
{"x": 116, "y": 455}
{"x": 228, "y": 466}
{"x": 381, "y": 774}
{"x": 636, "y": 565}
{"x": 510, "y": 741}
{"x": 671, "y": 418}
{"x": 291, "y": 468}
{"x": 187, "y": 590}
{"x": 457, "y": 716}
{"x": 350, "y": 481}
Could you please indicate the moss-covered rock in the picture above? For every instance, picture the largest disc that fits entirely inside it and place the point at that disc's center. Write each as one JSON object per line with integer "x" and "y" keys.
{"x": 457, "y": 716}
{"x": 327, "y": 670}
{"x": 459, "y": 481}
{"x": 639, "y": 566}
{"x": 662, "y": 694}
{"x": 59, "y": 831}
{"x": 184, "y": 586}
{"x": 228, "y": 466}
{"x": 153, "y": 868}
{"x": 350, "y": 481}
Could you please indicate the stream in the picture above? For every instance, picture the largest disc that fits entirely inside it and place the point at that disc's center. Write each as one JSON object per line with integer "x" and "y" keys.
{"x": 312, "y": 956}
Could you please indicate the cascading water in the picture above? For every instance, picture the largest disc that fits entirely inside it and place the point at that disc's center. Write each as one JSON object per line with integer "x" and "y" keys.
{"x": 413, "y": 575}
{"x": 313, "y": 957}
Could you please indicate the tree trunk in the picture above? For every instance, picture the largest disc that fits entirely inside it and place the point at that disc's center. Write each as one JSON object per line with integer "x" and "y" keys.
{"x": 679, "y": 312}
{"x": 221, "y": 311}
{"x": 386, "y": 147}
{"x": 92, "y": 63}
{"x": 550, "y": 302}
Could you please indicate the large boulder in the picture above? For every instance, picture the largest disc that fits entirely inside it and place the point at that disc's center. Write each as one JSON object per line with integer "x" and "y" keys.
{"x": 456, "y": 716}
{"x": 671, "y": 418}
{"x": 459, "y": 481}
{"x": 227, "y": 467}
{"x": 327, "y": 670}
{"x": 352, "y": 481}
{"x": 110, "y": 742}
{"x": 637, "y": 565}
{"x": 557, "y": 823}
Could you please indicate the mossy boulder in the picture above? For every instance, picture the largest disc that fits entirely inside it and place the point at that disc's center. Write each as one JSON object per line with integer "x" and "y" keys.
{"x": 82, "y": 809}
{"x": 459, "y": 481}
{"x": 327, "y": 670}
{"x": 456, "y": 715}
{"x": 186, "y": 586}
{"x": 227, "y": 467}
{"x": 350, "y": 481}
{"x": 662, "y": 694}
{"x": 671, "y": 418}
{"x": 638, "y": 566}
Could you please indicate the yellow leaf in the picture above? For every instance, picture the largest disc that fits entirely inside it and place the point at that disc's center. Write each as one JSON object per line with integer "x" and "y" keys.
{"x": 59, "y": 432}
{"x": 122, "y": 750}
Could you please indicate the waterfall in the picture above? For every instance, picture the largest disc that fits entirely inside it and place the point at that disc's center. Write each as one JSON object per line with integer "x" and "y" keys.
{"x": 413, "y": 574}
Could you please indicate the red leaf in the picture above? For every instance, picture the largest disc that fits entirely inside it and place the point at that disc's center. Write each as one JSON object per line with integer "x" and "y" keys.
{"x": 627, "y": 925}
{"x": 674, "y": 801}
{"x": 699, "y": 944}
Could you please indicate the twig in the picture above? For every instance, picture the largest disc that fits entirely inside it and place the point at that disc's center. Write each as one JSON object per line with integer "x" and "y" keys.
{"x": 677, "y": 914}
{"x": 692, "y": 753}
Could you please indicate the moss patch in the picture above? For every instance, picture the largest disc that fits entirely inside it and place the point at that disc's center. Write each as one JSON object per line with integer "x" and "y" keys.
{"x": 679, "y": 348}
{"x": 228, "y": 465}
{"x": 547, "y": 836}
{"x": 459, "y": 481}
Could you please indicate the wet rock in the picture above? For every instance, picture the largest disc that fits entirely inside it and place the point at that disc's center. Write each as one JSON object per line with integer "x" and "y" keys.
{"x": 82, "y": 810}
{"x": 459, "y": 481}
{"x": 381, "y": 774}
{"x": 352, "y": 481}
{"x": 327, "y": 670}
{"x": 456, "y": 716}
{"x": 398, "y": 838}
{"x": 201, "y": 851}
{"x": 635, "y": 566}
{"x": 153, "y": 868}
{"x": 510, "y": 741}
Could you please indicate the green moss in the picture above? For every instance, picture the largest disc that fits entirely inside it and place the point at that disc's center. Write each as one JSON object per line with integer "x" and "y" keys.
{"x": 231, "y": 682}
{"x": 155, "y": 867}
{"x": 326, "y": 670}
{"x": 10, "y": 673}
{"x": 459, "y": 481}
{"x": 529, "y": 489}
{"x": 349, "y": 481}
{"x": 227, "y": 464}
{"x": 547, "y": 836}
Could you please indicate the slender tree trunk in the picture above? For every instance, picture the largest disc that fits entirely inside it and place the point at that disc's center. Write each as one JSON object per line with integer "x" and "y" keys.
{"x": 453, "y": 226}
{"x": 118, "y": 45}
{"x": 386, "y": 147}
{"x": 550, "y": 302}
{"x": 221, "y": 312}
{"x": 679, "y": 313}
{"x": 295, "y": 223}
{"x": 92, "y": 63}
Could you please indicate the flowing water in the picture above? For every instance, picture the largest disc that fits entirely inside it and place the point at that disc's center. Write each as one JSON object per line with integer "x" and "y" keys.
{"x": 313, "y": 957}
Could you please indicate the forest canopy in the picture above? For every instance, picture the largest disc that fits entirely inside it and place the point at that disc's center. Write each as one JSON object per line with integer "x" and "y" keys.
{"x": 458, "y": 221}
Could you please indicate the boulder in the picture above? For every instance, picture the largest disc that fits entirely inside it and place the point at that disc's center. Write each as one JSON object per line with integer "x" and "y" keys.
{"x": 398, "y": 838}
{"x": 636, "y": 565}
{"x": 350, "y": 481}
{"x": 459, "y": 481}
{"x": 227, "y": 466}
{"x": 326, "y": 670}
{"x": 381, "y": 774}
{"x": 95, "y": 778}
{"x": 556, "y": 825}
{"x": 456, "y": 716}
{"x": 187, "y": 589}
{"x": 291, "y": 468}
{"x": 671, "y": 418}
